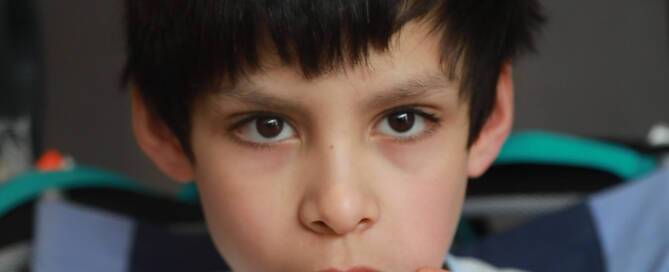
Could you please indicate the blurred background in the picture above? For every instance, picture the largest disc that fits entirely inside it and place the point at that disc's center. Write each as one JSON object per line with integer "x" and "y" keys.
{"x": 602, "y": 71}
{"x": 600, "y": 81}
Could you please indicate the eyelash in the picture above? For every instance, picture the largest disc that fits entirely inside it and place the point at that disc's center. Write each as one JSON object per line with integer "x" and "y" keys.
{"x": 436, "y": 123}
{"x": 248, "y": 118}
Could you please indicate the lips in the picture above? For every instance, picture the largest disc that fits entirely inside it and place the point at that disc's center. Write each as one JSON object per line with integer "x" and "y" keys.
{"x": 354, "y": 269}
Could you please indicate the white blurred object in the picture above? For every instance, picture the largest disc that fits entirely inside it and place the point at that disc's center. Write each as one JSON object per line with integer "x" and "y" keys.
{"x": 658, "y": 136}
{"x": 15, "y": 147}
{"x": 471, "y": 264}
{"x": 14, "y": 257}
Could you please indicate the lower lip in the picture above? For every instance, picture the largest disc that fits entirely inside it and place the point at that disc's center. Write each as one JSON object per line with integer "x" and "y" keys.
{"x": 354, "y": 269}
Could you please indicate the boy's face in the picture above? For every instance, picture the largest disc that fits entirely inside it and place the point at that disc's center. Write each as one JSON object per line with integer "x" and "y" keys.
{"x": 365, "y": 166}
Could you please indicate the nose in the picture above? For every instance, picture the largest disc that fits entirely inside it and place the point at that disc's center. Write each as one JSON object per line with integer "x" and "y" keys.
{"x": 337, "y": 211}
{"x": 338, "y": 200}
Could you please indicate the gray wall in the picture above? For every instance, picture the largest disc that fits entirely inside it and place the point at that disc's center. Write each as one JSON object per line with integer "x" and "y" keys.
{"x": 87, "y": 114}
{"x": 603, "y": 71}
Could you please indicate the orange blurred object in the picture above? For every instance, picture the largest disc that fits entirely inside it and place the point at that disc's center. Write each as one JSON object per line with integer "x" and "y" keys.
{"x": 51, "y": 160}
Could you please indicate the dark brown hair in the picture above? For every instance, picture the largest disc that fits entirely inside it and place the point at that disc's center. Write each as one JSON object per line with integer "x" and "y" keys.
{"x": 177, "y": 50}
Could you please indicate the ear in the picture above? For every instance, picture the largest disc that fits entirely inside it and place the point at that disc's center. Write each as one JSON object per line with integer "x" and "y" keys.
{"x": 158, "y": 141}
{"x": 496, "y": 129}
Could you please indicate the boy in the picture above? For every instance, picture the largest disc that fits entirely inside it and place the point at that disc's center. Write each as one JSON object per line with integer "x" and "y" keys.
{"x": 326, "y": 135}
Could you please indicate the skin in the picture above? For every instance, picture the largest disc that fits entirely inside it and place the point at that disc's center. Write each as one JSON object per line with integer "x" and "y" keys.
{"x": 342, "y": 190}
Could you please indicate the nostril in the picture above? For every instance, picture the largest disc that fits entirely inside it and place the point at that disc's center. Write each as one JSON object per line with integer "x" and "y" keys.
{"x": 321, "y": 227}
{"x": 364, "y": 223}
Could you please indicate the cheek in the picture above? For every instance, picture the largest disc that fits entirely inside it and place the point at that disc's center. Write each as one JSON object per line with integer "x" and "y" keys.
{"x": 446, "y": 146}
{"x": 251, "y": 160}
{"x": 243, "y": 199}
{"x": 433, "y": 208}
{"x": 429, "y": 187}
{"x": 428, "y": 209}
{"x": 233, "y": 216}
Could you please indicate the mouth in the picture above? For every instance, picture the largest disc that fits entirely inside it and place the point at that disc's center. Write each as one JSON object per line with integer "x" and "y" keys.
{"x": 353, "y": 269}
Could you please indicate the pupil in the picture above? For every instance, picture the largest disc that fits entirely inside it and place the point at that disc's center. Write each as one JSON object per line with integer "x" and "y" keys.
{"x": 269, "y": 127}
{"x": 401, "y": 122}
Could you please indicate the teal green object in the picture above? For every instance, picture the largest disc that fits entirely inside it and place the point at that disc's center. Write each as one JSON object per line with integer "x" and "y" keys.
{"x": 464, "y": 233}
{"x": 30, "y": 185}
{"x": 188, "y": 193}
{"x": 553, "y": 148}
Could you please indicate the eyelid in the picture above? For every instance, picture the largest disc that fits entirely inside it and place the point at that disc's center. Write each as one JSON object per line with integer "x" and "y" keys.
{"x": 249, "y": 117}
{"x": 407, "y": 107}
{"x": 417, "y": 109}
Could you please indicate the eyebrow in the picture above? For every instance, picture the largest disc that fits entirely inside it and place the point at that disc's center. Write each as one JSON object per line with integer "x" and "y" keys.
{"x": 251, "y": 95}
{"x": 411, "y": 88}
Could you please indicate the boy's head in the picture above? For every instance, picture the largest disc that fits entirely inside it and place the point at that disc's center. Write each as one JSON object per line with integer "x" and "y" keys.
{"x": 326, "y": 134}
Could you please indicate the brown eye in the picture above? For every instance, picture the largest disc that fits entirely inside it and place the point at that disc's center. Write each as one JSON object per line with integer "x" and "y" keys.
{"x": 405, "y": 124}
{"x": 264, "y": 129}
{"x": 401, "y": 121}
{"x": 269, "y": 127}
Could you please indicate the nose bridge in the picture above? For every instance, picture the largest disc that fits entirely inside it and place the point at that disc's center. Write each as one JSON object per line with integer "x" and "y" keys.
{"x": 338, "y": 200}
{"x": 338, "y": 153}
